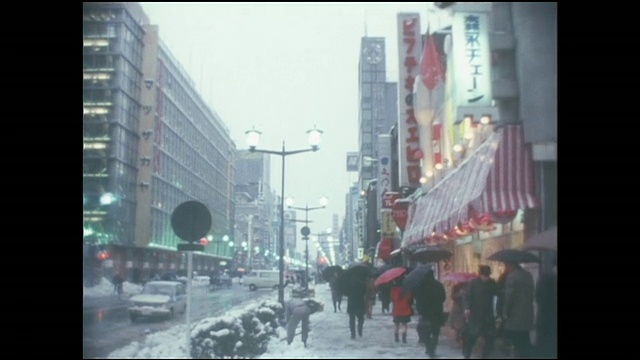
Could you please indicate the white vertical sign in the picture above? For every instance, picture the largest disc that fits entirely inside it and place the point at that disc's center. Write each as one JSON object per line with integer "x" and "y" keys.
{"x": 472, "y": 58}
{"x": 409, "y": 49}
{"x": 384, "y": 170}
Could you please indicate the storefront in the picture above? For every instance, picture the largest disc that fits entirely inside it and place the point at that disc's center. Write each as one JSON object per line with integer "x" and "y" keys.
{"x": 478, "y": 207}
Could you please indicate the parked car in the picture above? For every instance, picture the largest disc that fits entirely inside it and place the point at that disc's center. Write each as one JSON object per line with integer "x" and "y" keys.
{"x": 159, "y": 298}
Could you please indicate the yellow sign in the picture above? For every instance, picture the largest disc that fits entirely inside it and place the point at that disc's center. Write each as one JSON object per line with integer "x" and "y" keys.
{"x": 387, "y": 223}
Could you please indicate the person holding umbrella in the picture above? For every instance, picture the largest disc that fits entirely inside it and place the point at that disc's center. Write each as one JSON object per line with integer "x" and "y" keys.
{"x": 402, "y": 309}
{"x": 478, "y": 312}
{"x": 430, "y": 297}
{"x": 517, "y": 310}
{"x": 352, "y": 283}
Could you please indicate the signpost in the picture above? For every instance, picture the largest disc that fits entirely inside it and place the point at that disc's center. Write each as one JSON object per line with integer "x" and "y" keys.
{"x": 191, "y": 221}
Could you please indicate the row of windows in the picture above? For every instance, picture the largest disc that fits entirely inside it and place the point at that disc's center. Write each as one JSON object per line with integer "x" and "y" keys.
{"x": 185, "y": 99}
{"x": 125, "y": 180}
{"x": 191, "y": 136}
{"x": 375, "y": 77}
{"x": 125, "y": 145}
{"x": 161, "y": 232}
{"x": 127, "y": 111}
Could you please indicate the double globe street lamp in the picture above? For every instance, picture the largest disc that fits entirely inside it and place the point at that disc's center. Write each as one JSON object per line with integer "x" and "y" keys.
{"x": 253, "y": 138}
{"x": 306, "y": 231}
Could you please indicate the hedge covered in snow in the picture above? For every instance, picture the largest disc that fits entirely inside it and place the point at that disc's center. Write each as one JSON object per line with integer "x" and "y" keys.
{"x": 242, "y": 334}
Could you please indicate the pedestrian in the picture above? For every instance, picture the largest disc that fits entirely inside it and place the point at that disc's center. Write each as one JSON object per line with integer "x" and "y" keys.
{"x": 547, "y": 319}
{"x": 479, "y": 313}
{"x": 336, "y": 296}
{"x": 517, "y": 313}
{"x": 117, "y": 283}
{"x": 298, "y": 310}
{"x": 456, "y": 315}
{"x": 371, "y": 294}
{"x": 384, "y": 294}
{"x": 356, "y": 306}
{"x": 430, "y": 297}
{"x": 402, "y": 309}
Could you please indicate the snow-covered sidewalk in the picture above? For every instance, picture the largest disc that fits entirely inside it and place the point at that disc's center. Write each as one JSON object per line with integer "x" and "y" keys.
{"x": 329, "y": 338}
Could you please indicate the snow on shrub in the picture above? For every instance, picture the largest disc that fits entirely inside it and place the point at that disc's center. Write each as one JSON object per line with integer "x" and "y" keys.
{"x": 242, "y": 335}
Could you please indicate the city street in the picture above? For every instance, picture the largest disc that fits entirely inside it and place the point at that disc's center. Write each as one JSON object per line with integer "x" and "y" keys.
{"x": 106, "y": 323}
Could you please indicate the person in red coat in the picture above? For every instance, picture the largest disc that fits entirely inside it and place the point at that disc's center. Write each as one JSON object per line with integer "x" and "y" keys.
{"x": 402, "y": 309}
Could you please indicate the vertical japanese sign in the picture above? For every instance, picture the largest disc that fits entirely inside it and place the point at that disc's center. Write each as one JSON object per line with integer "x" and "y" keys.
{"x": 409, "y": 49}
{"x": 472, "y": 59}
{"x": 384, "y": 170}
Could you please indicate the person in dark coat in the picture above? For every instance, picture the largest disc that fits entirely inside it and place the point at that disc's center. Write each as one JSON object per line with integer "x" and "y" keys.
{"x": 430, "y": 297}
{"x": 517, "y": 312}
{"x": 336, "y": 296}
{"x": 478, "y": 312}
{"x": 547, "y": 319}
{"x": 118, "y": 280}
{"x": 356, "y": 306}
{"x": 384, "y": 293}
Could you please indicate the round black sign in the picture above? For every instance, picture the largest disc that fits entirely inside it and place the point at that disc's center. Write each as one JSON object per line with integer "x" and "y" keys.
{"x": 305, "y": 231}
{"x": 191, "y": 220}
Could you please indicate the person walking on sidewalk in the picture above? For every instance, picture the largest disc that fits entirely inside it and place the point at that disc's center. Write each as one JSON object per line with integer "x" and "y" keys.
{"x": 402, "y": 309}
{"x": 371, "y": 295}
{"x": 430, "y": 299}
{"x": 518, "y": 308}
{"x": 456, "y": 316}
{"x": 336, "y": 296}
{"x": 118, "y": 280}
{"x": 356, "y": 307}
{"x": 384, "y": 294}
{"x": 478, "y": 312}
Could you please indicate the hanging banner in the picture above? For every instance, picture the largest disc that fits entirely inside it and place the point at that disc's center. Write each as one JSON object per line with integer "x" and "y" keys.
{"x": 409, "y": 49}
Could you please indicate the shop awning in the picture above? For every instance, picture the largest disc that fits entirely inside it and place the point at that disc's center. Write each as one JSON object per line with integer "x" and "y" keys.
{"x": 498, "y": 176}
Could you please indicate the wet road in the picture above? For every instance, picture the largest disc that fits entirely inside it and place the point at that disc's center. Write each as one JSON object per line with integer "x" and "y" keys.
{"x": 107, "y": 327}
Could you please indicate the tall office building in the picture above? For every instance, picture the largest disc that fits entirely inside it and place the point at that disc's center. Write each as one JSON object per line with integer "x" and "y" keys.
{"x": 254, "y": 209}
{"x": 377, "y": 115}
{"x": 150, "y": 143}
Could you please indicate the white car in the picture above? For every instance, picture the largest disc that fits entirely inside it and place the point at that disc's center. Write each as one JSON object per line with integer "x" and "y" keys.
{"x": 159, "y": 298}
{"x": 262, "y": 279}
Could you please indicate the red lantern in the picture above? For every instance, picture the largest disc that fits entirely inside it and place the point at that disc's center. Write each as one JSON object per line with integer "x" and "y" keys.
{"x": 204, "y": 242}
{"x": 464, "y": 230}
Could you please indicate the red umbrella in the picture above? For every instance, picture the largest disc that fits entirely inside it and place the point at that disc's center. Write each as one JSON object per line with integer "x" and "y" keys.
{"x": 389, "y": 275}
{"x": 460, "y": 277}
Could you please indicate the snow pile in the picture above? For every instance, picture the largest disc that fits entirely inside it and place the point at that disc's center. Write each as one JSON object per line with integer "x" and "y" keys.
{"x": 238, "y": 334}
{"x": 106, "y": 288}
{"x": 169, "y": 344}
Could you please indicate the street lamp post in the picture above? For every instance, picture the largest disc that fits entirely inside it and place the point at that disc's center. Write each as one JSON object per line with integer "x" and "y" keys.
{"x": 253, "y": 137}
{"x": 323, "y": 204}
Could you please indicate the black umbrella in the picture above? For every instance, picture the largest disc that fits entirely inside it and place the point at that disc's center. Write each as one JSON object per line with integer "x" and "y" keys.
{"x": 513, "y": 256}
{"x": 414, "y": 279}
{"x": 329, "y": 272}
{"x": 430, "y": 254}
{"x": 353, "y": 280}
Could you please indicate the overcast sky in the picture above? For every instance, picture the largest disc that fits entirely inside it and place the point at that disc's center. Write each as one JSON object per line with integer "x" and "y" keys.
{"x": 283, "y": 68}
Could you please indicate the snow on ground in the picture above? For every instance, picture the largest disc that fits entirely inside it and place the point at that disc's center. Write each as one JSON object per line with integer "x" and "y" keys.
{"x": 105, "y": 288}
{"x": 329, "y": 338}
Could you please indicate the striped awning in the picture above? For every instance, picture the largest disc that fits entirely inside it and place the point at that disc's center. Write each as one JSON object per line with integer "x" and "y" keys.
{"x": 497, "y": 177}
